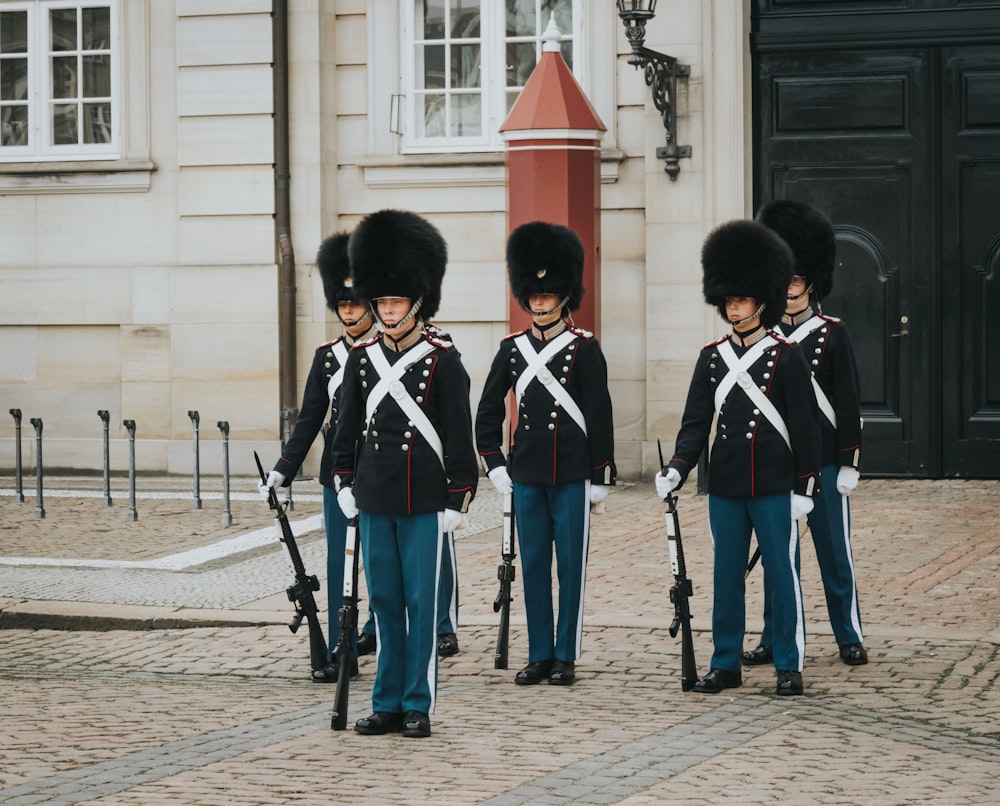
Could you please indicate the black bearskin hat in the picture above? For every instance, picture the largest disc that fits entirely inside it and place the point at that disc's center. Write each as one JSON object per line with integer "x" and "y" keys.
{"x": 396, "y": 253}
{"x": 810, "y": 235}
{"x": 335, "y": 271}
{"x": 545, "y": 258}
{"x": 746, "y": 259}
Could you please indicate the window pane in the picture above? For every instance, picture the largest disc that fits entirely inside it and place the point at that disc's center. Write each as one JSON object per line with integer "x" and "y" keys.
{"x": 433, "y": 73}
{"x": 432, "y": 24}
{"x": 467, "y": 114}
{"x": 64, "y": 125}
{"x": 13, "y": 79}
{"x": 564, "y": 15}
{"x": 566, "y": 49}
{"x": 96, "y": 76}
{"x": 97, "y": 123}
{"x": 520, "y": 62}
{"x": 464, "y": 19}
{"x": 521, "y": 18}
{"x": 96, "y": 28}
{"x": 13, "y": 32}
{"x": 435, "y": 116}
{"x": 13, "y": 126}
{"x": 64, "y": 77}
{"x": 62, "y": 22}
{"x": 465, "y": 67}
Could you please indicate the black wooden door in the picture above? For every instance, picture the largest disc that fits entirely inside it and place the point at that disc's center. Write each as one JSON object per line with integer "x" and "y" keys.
{"x": 888, "y": 118}
{"x": 970, "y": 261}
{"x": 853, "y": 133}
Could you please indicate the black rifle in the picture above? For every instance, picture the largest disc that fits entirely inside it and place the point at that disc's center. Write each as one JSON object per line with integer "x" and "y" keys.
{"x": 301, "y": 593}
{"x": 681, "y": 591}
{"x": 347, "y": 621}
{"x": 505, "y": 573}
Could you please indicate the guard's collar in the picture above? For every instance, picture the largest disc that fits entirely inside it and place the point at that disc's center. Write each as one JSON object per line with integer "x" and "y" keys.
{"x": 797, "y": 319}
{"x": 406, "y": 341}
{"x": 548, "y": 332}
{"x": 352, "y": 340}
{"x": 750, "y": 338}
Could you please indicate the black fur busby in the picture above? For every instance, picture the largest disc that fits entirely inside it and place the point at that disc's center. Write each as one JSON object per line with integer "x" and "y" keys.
{"x": 396, "y": 253}
{"x": 335, "y": 271}
{"x": 746, "y": 259}
{"x": 809, "y": 233}
{"x": 545, "y": 258}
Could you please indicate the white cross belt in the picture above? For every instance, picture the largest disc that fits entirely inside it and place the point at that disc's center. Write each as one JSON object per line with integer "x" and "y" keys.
{"x": 389, "y": 383}
{"x": 537, "y": 369}
{"x": 798, "y": 336}
{"x": 739, "y": 375}
{"x": 339, "y": 351}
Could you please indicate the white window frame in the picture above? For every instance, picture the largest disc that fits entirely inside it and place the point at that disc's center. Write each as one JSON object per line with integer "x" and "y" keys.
{"x": 401, "y": 108}
{"x": 40, "y": 148}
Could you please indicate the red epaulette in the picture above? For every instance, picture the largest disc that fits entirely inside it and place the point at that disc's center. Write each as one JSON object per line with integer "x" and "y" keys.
{"x": 515, "y": 334}
{"x": 367, "y": 342}
{"x": 437, "y": 338}
{"x": 579, "y": 331}
{"x": 781, "y": 339}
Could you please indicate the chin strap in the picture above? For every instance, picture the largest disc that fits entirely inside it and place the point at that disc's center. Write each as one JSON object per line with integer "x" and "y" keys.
{"x": 562, "y": 303}
{"x": 356, "y": 322}
{"x": 808, "y": 290}
{"x": 751, "y": 317}
{"x": 414, "y": 309}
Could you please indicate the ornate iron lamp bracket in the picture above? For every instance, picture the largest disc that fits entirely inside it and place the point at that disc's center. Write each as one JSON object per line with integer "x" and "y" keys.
{"x": 661, "y": 73}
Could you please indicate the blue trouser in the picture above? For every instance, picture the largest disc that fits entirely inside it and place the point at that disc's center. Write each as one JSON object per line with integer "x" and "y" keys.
{"x": 550, "y": 517}
{"x": 403, "y": 564}
{"x": 336, "y": 540}
{"x": 447, "y": 590}
{"x": 731, "y": 521}
{"x": 830, "y": 525}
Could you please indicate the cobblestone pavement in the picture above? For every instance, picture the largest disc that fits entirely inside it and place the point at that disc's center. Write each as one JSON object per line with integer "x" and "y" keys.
{"x": 173, "y": 678}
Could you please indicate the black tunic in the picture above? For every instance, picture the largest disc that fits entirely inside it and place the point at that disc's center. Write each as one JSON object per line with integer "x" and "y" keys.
{"x": 548, "y": 447}
{"x": 749, "y": 456}
{"x": 398, "y": 471}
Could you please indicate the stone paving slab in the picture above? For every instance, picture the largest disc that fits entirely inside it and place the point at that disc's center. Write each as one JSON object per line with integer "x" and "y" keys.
{"x": 195, "y": 713}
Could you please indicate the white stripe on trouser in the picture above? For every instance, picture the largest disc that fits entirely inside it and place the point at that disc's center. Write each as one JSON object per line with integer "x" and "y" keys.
{"x": 583, "y": 569}
{"x": 449, "y": 546}
{"x": 845, "y": 516}
{"x": 433, "y": 658}
{"x": 800, "y": 627}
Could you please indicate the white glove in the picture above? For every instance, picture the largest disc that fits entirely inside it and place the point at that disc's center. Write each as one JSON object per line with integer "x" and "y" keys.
{"x": 501, "y": 480}
{"x": 346, "y": 500}
{"x": 598, "y": 492}
{"x": 274, "y": 479}
{"x": 451, "y": 520}
{"x": 666, "y": 484}
{"x": 802, "y": 505}
{"x": 847, "y": 480}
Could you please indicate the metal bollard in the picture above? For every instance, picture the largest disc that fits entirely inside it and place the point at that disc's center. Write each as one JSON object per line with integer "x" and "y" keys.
{"x": 106, "y": 418}
{"x": 133, "y": 514}
{"x": 39, "y": 508}
{"x": 196, "y": 500}
{"x": 18, "y": 478}
{"x": 286, "y": 433}
{"x": 227, "y": 515}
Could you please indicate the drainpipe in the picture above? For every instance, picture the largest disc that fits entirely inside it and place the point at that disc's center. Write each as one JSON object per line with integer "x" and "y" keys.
{"x": 288, "y": 397}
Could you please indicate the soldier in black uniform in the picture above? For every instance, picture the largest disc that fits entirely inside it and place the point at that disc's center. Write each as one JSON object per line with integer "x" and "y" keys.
{"x": 319, "y": 400}
{"x": 827, "y": 347}
{"x": 764, "y": 464}
{"x": 561, "y": 456}
{"x": 403, "y": 458}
